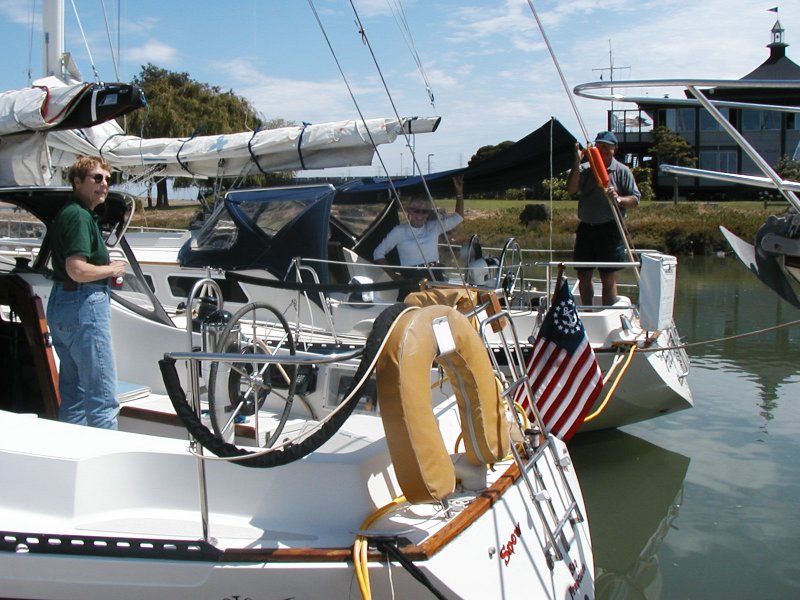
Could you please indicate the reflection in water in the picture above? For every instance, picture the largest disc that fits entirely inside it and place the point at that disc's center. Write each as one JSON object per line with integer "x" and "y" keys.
{"x": 633, "y": 490}
{"x": 737, "y": 531}
{"x": 716, "y": 298}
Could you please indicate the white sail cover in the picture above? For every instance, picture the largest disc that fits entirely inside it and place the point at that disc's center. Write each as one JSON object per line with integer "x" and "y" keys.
{"x": 34, "y": 141}
{"x": 27, "y": 115}
{"x": 320, "y": 146}
{"x": 40, "y": 107}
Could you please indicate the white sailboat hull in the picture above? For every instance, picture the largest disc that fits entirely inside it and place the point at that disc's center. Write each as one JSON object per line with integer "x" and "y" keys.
{"x": 90, "y": 514}
{"x": 653, "y": 384}
{"x": 283, "y": 532}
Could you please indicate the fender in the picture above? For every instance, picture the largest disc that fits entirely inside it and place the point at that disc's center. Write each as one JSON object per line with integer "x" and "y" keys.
{"x": 598, "y": 167}
{"x": 422, "y": 464}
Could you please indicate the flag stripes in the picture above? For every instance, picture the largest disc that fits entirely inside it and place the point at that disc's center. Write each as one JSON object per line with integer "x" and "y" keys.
{"x": 562, "y": 369}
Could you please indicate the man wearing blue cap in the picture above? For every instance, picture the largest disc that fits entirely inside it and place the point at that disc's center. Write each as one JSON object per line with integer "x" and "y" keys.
{"x": 598, "y": 238}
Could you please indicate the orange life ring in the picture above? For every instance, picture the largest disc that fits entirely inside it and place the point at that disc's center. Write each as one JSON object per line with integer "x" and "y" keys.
{"x": 422, "y": 464}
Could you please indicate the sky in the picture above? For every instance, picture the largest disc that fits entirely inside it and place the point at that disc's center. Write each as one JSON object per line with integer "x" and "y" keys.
{"x": 485, "y": 62}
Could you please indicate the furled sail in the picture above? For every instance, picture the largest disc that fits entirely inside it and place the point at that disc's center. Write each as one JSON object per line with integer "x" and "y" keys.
{"x": 27, "y": 115}
{"x": 49, "y": 104}
{"x": 318, "y": 146}
{"x": 51, "y": 123}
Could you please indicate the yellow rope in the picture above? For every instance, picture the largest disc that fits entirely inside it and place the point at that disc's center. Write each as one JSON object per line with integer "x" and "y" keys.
{"x": 361, "y": 548}
{"x": 526, "y": 422}
{"x": 613, "y": 388}
{"x": 612, "y": 368}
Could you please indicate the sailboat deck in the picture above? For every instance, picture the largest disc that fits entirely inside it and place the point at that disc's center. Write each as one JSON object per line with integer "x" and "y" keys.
{"x": 122, "y": 484}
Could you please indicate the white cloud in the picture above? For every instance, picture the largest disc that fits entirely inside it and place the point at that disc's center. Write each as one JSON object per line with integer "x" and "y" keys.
{"x": 153, "y": 51}
{"x": 292, "y": 99}
{"x": 19, "y": 11}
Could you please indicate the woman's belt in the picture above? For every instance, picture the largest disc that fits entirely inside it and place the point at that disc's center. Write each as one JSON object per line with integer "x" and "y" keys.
{"x": 74, "y": 286}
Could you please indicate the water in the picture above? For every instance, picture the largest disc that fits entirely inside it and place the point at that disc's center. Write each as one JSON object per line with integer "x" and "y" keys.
{"x": 705, "y": 503}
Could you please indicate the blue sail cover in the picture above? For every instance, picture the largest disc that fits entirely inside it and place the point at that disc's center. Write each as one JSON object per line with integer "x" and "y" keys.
{"x": 264, "y": 229}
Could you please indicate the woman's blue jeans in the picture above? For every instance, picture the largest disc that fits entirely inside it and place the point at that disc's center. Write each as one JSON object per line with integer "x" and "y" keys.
{"x": 80, "y": 323}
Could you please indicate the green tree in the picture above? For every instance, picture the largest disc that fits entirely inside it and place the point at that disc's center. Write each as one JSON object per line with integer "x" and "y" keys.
{"x": 485, "y": 152}
{"x": 788, "y": 168}
{"x": 644, "y": 181}
{"x": 180, "y": 107}
{"x": 669, "y": 147}
{"x": 559, "y": 188}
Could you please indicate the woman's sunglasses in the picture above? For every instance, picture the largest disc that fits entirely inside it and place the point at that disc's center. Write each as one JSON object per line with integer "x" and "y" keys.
{"x": 419, "y": 211}
{"x": 99, "y": 177}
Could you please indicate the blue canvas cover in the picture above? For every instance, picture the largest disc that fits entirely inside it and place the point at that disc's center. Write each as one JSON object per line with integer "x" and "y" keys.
{"x": 264, "y": 229}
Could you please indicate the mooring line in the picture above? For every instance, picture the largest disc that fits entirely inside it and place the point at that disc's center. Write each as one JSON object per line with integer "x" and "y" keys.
{"x": 723, "y": 339}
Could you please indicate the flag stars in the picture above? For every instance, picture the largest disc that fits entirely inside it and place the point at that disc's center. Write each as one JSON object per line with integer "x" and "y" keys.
{"x": 566, "y": 317}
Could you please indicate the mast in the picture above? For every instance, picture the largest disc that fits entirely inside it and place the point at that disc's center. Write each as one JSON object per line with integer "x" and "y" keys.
{"x": 53, "y": 38}
{"x": 55, "y": 61}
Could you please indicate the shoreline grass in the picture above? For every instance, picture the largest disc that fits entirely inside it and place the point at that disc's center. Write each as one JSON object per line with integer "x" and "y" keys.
{"x": 680, "y": 229}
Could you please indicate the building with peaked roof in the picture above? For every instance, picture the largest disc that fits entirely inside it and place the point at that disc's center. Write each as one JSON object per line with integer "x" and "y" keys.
{"x": 773, "y": 134}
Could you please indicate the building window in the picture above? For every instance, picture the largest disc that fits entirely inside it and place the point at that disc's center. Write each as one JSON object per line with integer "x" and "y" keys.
{"x": 760, "y": 120}
{"x": 709, "y": 123}
{"x": 719, "y": 159}
{"x": 680, "y": 120}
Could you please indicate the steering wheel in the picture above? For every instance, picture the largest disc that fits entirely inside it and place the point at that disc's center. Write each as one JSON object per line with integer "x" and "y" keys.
{"x": 511, "y": 273}
{"x": 240, "y": 389}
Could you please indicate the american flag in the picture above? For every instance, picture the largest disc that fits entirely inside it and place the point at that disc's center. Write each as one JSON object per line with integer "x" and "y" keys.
{"x": 563, "y": 371}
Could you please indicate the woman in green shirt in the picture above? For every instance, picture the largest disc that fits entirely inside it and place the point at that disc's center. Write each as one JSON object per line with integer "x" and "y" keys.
{"x": 79, "y": 308}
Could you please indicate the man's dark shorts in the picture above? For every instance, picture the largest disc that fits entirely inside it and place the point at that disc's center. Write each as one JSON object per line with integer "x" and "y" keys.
{"x": 599, "y": 243}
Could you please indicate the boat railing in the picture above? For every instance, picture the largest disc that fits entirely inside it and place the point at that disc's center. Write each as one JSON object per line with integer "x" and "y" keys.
{"x": 151, "y": 229}
{"x": 534, "y": 272}
{"x": 538, "y": 444}
{"x": 206, "y": 288}
{"x": 697, "y": 89}
{"x": 194, "y": 360}
{"x": 299, "y": 268}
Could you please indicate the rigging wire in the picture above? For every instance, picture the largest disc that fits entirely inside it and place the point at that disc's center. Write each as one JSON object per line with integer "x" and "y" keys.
{"x": 394, "y": 194}
{"x": 398, "y": 12}
{"x": 551, "y": 168}
{"x": 30, "y": 43}
{"x": 723, "y": 339}
{"x": 114, "y": 58}
{"x": 85, "y": 41}
{"x": 409, "y": 146}
{"x": 406, "y": 135}
{"x": 560, "y": 72}
{"x": 615, "y": 209}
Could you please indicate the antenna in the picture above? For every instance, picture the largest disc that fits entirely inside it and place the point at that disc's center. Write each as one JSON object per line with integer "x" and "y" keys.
{"x": 610, "y": 68}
